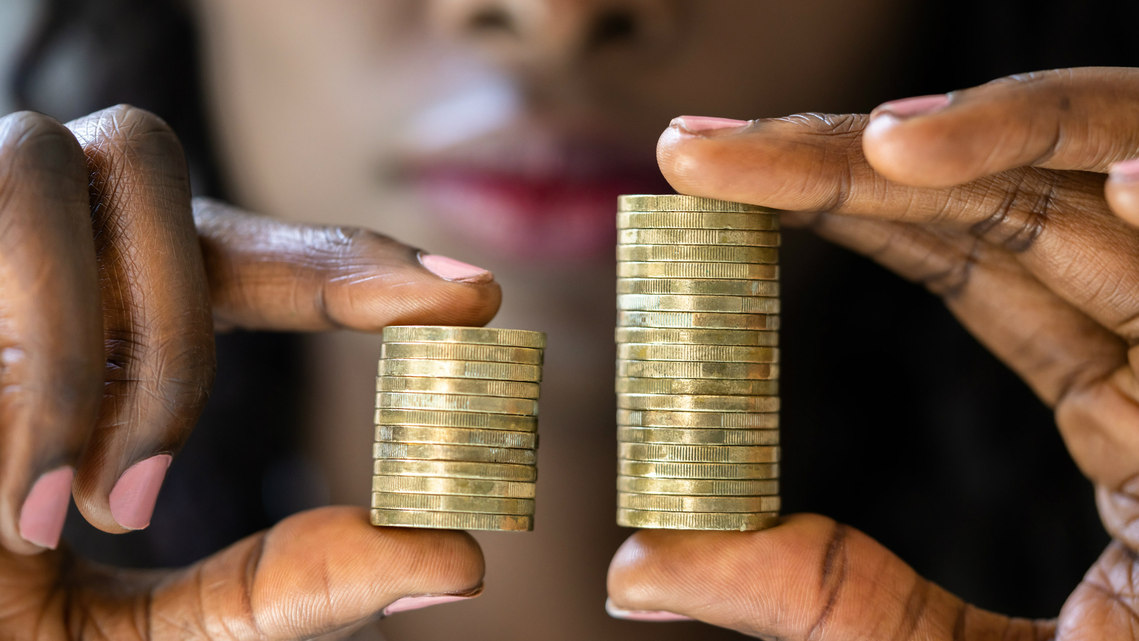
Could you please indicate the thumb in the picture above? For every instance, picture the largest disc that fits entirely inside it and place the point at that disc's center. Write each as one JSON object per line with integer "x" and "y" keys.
{"x": 315, "y": 573}
{"x": 807, "y": 578}
{"x": 266, "y": 273}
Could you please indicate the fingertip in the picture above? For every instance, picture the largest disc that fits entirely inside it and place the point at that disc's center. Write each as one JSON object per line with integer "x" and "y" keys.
{"x": 453, "y": 270}
{"x": 1122, "y": 190}
{"x": 913, "y": 151}
{"x": 134, "y": 495}
{"x": 45, "y": 508}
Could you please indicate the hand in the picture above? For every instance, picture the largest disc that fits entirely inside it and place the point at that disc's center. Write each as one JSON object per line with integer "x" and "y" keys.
{"x": 996, "y": 199}
{"x": 111, "y": 281}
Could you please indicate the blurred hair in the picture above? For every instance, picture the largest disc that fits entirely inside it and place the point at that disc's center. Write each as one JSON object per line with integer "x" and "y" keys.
{"x": 141, "y": 52}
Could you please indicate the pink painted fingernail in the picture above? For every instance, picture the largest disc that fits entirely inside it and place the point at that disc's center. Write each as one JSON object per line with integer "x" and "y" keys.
{"x": 657, "y": 616}
{"x": 419, "y": 602}
{"x": 132, "y": 499}
{"x": 43, "y": 513}
{"x": 910, "y": 107}
{"x": 1125, "y": 170}
{"x": 702, "y": 124}
{"x": 454, "y": 270}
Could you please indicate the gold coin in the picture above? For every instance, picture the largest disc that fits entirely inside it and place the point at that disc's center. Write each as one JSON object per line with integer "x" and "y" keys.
{"x": 696, "y": 487}
{"x": 455, "y": 436}
{"x": 726, "y": 237}
{"x": 698, "y": 254}
{"x": 698, "y": 453}
{"x": 463, "y": 352}
{"x": 698, "y": 320}
{"x": 697, "y": 436}
{"x": 698, "y": 403}
{"x": 708, "y": 370}
{"x": 698, "y": 386}
{"x": 437, "y": 452}
{"x": 452, "y": 503}
{"x": 686, "y": 303}
{"x": 736, "y": 271}
{"x": 725, "y": 471}
{"x": 698, "y": 504}
{"x": 688, "y": 336}
{"x": 696, "y": 521}
{"x": 698, "y": 286}
{"x": 479, "y": 335}
{"x": 456, "y": 469}
{"x": 461, "y": 386}
{"x": 681, "y": 202}
{"x": 443, "y": 402}
{"x": 452, "y": 520}
{"x": 721, "y": 420}
{"x": 697, "y": 220}
{"x": 734, "y": 354}
{"x": 443, "y": 485}
{"x": 460, "y": 369}
{"x": 470, "y": 420}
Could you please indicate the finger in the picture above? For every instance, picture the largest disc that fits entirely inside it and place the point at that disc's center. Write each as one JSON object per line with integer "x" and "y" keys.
{"x": 1068, "y": 359}
{"x": 159, "y": 332}
{"x": 1082, "y": 119}
{"x": 270, "y": 274}
{"x": 1056, "y": 223}
{"x": 1053, "y": 346}
{"x": 807, "y": 578}
{"x": 1122, "y": 190}
{"x": 51, "y": 354}
{"x": 1106, "y": 603}
{"x": 315, "y": 573}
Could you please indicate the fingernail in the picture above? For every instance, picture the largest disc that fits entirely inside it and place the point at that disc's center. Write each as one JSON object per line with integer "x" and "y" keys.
{"x": 1125, "y": 170}
{"x": 910, "y": 107}
{"x": 703, "y": 124}
{"x": 454, "y": 270}
{"x": 41, "y": 517}
{"x": 643, "y": 615}
{"x": 132, "y": 499}
{"x": 419, "y": 602}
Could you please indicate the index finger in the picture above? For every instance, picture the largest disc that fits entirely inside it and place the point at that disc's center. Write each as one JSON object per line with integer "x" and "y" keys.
{"x": 266, "y": 273}
{"x": 1055, "y": 223}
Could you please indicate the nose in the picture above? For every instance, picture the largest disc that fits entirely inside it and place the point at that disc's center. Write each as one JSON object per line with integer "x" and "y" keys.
{"x": 558, "y": 33}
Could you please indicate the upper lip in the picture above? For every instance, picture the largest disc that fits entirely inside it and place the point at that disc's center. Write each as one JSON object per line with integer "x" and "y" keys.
{"x": 534, "y": 153}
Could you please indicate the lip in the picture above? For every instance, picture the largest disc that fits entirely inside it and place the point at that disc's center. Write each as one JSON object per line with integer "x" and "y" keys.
{"x": 528, "y": 214}
{"x": 522, "y": 185}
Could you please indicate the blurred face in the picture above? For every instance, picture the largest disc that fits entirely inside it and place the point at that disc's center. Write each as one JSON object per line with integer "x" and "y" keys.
{"x": 501, "y": 130}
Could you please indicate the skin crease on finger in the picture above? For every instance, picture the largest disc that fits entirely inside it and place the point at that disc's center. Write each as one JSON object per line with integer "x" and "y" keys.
{"x": 452, "y": 137}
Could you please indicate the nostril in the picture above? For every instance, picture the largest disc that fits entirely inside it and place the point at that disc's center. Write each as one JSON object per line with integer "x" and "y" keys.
{"x": 614, "y": 26}
{"x": 491, "y": 21}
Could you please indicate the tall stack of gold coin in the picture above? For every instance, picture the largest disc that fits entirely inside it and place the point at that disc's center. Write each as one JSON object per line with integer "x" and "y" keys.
{"x": 457, "y": 428}
{"x": 697, "y": 364}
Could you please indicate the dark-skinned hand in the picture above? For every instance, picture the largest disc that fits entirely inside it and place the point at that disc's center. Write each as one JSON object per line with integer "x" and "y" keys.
{"x": 111, "y": 282}
{"x": 1011, "y": 202}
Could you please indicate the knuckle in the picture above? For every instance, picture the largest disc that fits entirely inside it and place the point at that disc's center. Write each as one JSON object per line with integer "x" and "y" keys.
{"x": 1023, "y": 205}
{"x": 121, "y": 138}
{"x": 26, "y": 135}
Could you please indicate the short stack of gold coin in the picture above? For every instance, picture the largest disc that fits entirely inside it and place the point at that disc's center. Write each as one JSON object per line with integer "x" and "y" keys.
{"x": 457, "y": 428}
{"x": 697, "y": 364}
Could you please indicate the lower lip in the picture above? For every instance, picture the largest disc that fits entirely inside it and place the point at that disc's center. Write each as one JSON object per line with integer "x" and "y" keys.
{"x": 532, "y": 218}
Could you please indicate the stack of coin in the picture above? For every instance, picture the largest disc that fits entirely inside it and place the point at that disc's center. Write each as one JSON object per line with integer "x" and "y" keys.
{"x": 456, "y": 428}
{"x": 697, "y": 364}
